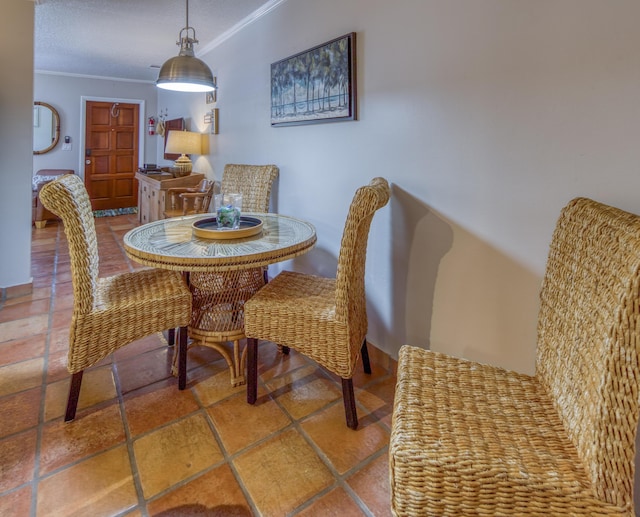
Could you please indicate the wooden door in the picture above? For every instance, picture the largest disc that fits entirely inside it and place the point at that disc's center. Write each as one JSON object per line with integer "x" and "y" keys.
{"x": 111, "y": 154}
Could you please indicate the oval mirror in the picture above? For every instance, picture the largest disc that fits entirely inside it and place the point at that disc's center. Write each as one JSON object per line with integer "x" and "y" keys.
{"x": 46, "y": 127}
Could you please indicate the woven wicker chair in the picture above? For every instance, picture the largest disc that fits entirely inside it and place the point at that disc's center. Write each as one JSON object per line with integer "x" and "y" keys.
{"x": 109, "y": 312}
{"x": 473, "y": 439}
{"x": 323, "y": 318}
{"x": 190, "y": 200}
{"x": 218, "y": 298}
{"x": 254, "y": 182}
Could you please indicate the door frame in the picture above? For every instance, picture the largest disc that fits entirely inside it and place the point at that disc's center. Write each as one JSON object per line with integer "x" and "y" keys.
{"x": 83, "y": 125}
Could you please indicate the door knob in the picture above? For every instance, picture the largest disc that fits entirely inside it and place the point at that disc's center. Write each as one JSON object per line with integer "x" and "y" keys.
{"x": 87, "y": 162}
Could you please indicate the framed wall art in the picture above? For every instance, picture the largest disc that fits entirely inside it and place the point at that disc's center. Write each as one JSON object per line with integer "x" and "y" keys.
{"x": 317, "y": 85}
{"x": 177, "y": 124}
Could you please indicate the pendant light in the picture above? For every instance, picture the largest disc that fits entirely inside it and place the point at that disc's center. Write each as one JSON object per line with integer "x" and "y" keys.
{"x": 185, "y": 72}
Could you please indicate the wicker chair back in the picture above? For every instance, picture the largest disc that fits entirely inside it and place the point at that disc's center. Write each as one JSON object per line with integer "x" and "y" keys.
{"x": 254, "y": 182}
{"x": 591, "y": 296}
{"x": 67, "y": 198}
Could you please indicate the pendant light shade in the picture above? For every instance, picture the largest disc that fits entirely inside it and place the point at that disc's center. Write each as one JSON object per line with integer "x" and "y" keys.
{"x": 185, "y": 72}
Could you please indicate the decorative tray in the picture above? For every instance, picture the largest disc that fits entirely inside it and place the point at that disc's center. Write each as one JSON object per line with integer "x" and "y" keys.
{"x": 208, "y": 228}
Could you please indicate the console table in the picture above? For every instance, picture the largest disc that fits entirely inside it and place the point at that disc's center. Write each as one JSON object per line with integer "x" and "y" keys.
{"x": 152, "y": 190}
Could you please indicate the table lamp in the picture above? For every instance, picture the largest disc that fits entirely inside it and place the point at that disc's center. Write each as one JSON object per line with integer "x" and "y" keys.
{"x": 183, "y": 143}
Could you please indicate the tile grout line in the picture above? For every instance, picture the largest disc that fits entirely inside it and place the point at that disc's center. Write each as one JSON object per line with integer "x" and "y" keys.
{"x": 45, "y": 370}
{"x": 228, "y": 457}
{"x": 128, "y": 441}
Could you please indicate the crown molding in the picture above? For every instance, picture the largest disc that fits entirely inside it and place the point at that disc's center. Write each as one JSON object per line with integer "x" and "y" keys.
{"x": 254, "y": 16}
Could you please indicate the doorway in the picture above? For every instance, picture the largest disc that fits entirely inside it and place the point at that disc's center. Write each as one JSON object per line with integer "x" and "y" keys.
{"x": 112, "y": 152}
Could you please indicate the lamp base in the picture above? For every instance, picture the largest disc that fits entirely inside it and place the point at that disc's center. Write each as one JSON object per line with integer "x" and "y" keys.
{"x": 182, "y": 167}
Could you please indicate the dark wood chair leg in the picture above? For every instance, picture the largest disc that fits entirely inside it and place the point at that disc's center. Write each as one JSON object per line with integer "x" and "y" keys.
{"x": 364, "y": 352}
{"x": 182, "y": 358}
{"x": 252, "y": 370}
{"x": 171, "y": 337}
{"x": 74, "y": 395}
{"x": 349, "y": 403}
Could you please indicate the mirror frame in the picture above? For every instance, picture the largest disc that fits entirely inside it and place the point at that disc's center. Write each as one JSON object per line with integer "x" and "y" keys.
{"x": 56, "y": 119}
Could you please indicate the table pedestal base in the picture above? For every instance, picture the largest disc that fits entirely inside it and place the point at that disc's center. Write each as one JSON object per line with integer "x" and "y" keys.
{"x": 236, "y": 363}
{"x": 217, "y": 314}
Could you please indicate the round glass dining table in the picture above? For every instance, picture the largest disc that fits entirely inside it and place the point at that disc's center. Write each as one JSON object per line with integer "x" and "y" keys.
{"x": 222, "y": 273}
{"x": 172, "y": 244}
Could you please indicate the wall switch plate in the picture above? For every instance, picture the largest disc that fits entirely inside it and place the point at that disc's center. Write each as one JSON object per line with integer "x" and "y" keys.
{"x": 66, "y": 147}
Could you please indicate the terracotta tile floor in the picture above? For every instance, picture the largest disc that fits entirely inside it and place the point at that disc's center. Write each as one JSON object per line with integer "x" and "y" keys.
{"x": 140, "y": 447}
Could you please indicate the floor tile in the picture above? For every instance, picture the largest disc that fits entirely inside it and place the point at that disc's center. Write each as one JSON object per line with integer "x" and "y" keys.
{"x": 66, "y": 442}
{"x": 214, "y": 493}
{"x": 344, "y": 447}
{"x": 378, "y": 399}
{"x": 145, "y": 369}
{"x": 57, "y": 367}
{"x": 97, "y": 386}
{"x": 304, "y": 391}
{"x": 156, "y": 405}
{"x": 101, "y": 485}
{"x": 21, "y": 376}
{"x": 17, "y": 459}
{"x": 63, "y": 302}
{"x": 217, "y": 386}
{"x": 22, "y": 349}
{"x": 59, "y": 340}
{"x": 20, "y": 411}
{"x": 61, "y": 320}
{"x": 24, "y": 310}
{"x": 16, "y": 503}
{"x": 38, "y": 293}
{"x": 240, "y": 424}
{"x": 336, "y": 503}
{"x": 173, "y": 453}
{"x": 282, "y": 473}
{"x": 273, "y": 363}
{"x": 19, "y": 329}
{"x": 371, "y": 484}
{"x": 146, "y": 344}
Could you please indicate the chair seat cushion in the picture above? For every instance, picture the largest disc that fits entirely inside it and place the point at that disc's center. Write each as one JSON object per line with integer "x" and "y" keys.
{"x": 494, "y": 432}
{"x": 299, "y": 311}
{"x": 128, "y": 307}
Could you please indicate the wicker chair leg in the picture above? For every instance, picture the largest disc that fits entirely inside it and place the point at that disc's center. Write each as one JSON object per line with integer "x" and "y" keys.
{"x": 182, "y": 358}
{"x": 252, "y": 370}
{"x": 349, "y": 403}
{"x": 74, "y": 395}
{"x": 364, "y": 352}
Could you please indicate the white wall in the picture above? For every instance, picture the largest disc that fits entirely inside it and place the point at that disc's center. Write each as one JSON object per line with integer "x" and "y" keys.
{"x": 486, "y": 116}
{"x": 64, "y": 93}
{"x": 16, "y": 33}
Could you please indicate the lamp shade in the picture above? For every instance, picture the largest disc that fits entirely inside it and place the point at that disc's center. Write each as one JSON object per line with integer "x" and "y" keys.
{"x": 185, "y": 73}
{"x": 184, "y": 142}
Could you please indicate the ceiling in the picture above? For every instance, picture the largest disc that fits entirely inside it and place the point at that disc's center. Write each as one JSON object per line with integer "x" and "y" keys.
{"x": 130, "y": 39}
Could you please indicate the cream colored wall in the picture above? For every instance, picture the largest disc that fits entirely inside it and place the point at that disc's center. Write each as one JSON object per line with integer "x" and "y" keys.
{"x": 16, "y": 129}
{"x": 486, "y": 116}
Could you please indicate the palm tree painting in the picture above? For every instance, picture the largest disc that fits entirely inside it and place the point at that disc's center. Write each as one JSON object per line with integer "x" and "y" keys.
{"x": 317, "y": 85}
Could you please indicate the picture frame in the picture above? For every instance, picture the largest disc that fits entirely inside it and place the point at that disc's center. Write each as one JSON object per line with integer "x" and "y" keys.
{"x": 176, "y": 124}
{"x": 317, "y": 85}
{"x": 210, "y": 97}
{"x": 211, "y": 117}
